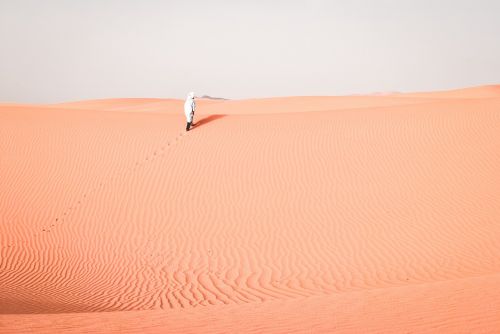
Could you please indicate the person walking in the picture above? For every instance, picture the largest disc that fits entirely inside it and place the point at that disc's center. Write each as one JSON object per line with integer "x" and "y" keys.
{"x": 189, "y": 107}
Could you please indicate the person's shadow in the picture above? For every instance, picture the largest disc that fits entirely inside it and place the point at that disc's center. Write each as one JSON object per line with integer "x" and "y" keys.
{"x": 208, "y": 119}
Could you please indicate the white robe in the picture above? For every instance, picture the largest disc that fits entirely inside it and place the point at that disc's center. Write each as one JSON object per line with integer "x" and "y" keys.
{"x": 189, "y": 107}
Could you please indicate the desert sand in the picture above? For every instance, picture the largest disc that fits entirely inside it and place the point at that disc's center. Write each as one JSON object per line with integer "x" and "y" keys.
{"x": 350, "y": 214}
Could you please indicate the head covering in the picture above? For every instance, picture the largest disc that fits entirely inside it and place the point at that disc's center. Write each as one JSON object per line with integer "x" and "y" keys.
{"x": 191, "y": 95}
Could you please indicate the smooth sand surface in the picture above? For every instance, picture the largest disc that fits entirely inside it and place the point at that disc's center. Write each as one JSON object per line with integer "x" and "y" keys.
{"x": 347, "y": 214}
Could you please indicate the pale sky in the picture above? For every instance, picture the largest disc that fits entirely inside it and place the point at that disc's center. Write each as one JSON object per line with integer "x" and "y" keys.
{"x": 63, "y": 50}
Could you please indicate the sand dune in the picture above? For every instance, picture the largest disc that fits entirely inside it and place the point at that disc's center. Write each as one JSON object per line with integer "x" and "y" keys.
{"x": 491, "y": 91}
{"x": 346, "y": 214}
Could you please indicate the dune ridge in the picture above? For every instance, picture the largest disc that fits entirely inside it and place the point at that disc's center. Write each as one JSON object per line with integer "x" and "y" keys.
{"x": 266, "y": 205}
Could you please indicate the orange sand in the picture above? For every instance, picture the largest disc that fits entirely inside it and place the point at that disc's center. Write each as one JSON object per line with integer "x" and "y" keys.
{"x": 303, "y": 214}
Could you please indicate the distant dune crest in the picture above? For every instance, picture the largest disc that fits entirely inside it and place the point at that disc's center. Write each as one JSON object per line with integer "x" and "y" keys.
{"x": 208, "y": 97}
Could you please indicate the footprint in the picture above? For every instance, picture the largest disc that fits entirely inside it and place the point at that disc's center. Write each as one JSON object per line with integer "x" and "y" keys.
{"x": 101, "y": 184}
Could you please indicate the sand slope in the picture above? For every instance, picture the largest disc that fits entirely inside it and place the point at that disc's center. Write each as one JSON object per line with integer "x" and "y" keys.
{"x": 369, "y": 213}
